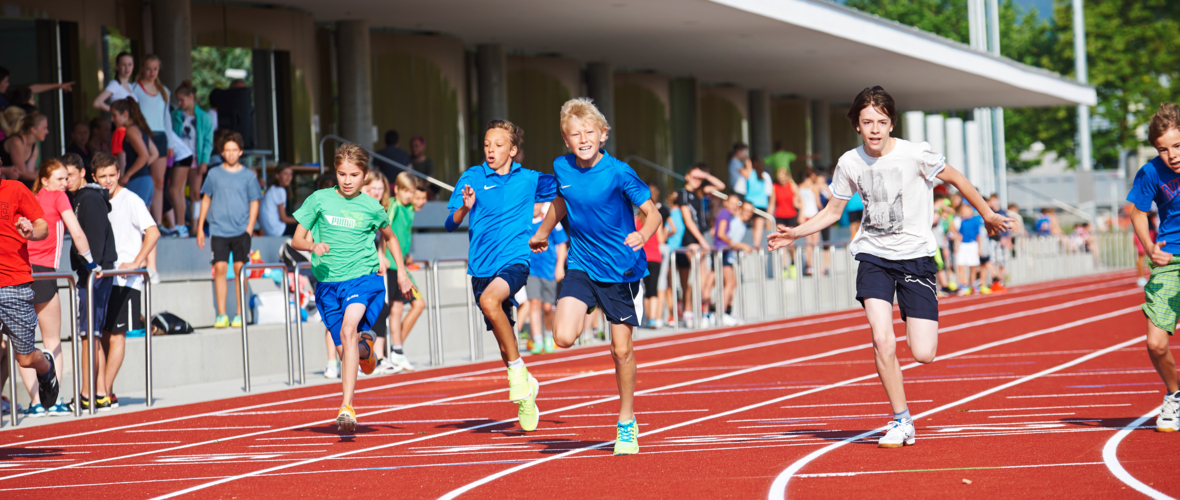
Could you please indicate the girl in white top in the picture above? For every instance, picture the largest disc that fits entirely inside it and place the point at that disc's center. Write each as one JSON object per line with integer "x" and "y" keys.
{"x": 895, "y": 245}
{"x": 120, "y": 86}
{"x": 809, "y": 197}
{"x": 153, "y": 104}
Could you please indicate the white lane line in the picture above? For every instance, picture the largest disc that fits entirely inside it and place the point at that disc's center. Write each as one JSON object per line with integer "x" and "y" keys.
{"x": 674, "y": 342}
{"x": 284, "y": 445}
{"x": 1111, "y": 459}
{"x": 1033, "y": 415}
{"x": 778, "y": 489}
{"x": 537, "y": 436}
{"x": 997, "y": 467}
{"x": 337, "y": 436}
{"x": 778, "y": 426}
{"x": 203, "y": 428}
{"x": 468, "y": 487}
{"x": 1050, "y": 407}
{"x": 1074, "y": 394}
{"x": 637, "y": 413}
{"x": 112, "y": 444}
{"x": 872, "y": 403}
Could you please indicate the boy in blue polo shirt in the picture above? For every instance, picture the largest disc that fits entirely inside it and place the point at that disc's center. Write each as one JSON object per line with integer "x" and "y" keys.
{"x": 606, "y": 260}
{"x": 1159, "y": 181}
{"x": 500, "y": 195}
{"x": 546, "y": 270}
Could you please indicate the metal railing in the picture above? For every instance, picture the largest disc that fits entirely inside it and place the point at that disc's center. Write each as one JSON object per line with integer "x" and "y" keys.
{"x": 298, "y": 312}
{"x": 474, "y": 341}
{"x": 71, "y": 282}
{"x": 374, "y": 154}
{"x": 147, "y": 338}
{"x": 666, "y": 171}
{"x": 242, "y": 277}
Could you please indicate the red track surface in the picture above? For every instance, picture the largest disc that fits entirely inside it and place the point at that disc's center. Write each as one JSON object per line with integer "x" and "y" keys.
{"x": 1028, "y": 389}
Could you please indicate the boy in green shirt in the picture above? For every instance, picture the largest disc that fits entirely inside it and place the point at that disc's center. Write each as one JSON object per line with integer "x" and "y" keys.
{"x": 338, "y": 226}
{"x": 401, "y": 220}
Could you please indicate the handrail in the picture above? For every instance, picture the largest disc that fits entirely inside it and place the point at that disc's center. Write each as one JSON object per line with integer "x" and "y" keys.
{"x": 147, "y": 340}
{"x": 665, "y": 170}
{"x": 374, "y": 154}
{"x": 242, "y": 276}
{"x": 72, "y": 284}
{"x": 1058, "y": 203}
{"x": 299, "y": 319}
{"x": 436, "y": 354}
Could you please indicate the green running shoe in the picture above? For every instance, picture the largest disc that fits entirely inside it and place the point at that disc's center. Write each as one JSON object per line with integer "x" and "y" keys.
{"x": 536, "y": 347}
{"x": 518, "y": 384}
{"x": 527, "y": 410}
{"x": 550, "y": 346}
{"x": 627, "y": 438}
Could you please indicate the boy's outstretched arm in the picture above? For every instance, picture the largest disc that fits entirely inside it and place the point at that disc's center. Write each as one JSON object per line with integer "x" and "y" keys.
{"x": 636, "y": 239}
{"x": 457, "y": 215}
{"x": 540, "y": 241}
{"x": 826, "y": 217}
{"x": 395, "y": 249}
{"x": 996, "y": 223}
{"x": 1154, "y": 248}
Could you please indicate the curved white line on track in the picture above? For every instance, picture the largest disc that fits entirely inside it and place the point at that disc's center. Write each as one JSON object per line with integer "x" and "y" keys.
{"x": 778, "y": 489}
{"x": 1110, "y": 456}
{"x": 459, "y": 491}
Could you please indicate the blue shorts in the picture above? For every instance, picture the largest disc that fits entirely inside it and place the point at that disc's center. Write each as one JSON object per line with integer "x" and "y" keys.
{"x": 333, "y": 298}
{"x": 912, "y": 280}
{"x": 102, "y": 296}
{"x": 142, "y": 187}
{"x": 516, "y": 275}
{"x": 622, "y": 303}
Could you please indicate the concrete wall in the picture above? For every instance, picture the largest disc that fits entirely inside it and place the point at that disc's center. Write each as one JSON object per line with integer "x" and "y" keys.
{"x": 723, "y": 122}
{"x": 643, "y": 123}
{"x": 789, "y": 124}
{"x": 537, "y": 88}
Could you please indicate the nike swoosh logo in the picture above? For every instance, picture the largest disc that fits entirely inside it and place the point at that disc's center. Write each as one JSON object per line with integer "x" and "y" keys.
{"x": 624, "y": 319}
{"x": 120, "y": 325}
{"x": 485, "y": 188}
{"x": 565, "y": 186}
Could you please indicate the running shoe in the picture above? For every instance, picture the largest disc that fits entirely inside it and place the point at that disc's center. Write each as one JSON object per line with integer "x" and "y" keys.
{"x": 346, "y": 419}
{"x": 368, "y": 359}
{"x": 103, "y": 403}
{"x": 401, "y": 362}
{"x": 182, "y": 232}
{"x": 222, "y": 321}
{"x": 519, "y": 384}
{"x": 332, "y": 370}
{"x": 536, "y": 346}
{"x": 59, "y": 410}
{"x": 1168, "y": 419}
{"x": 34, "y": 411}
{"x": 985, "y": 290}
{"x": 728, "y": 320}
{"x": 550, "y": 346}
{"x": 47, "y": 384}
{"x": 4, "y": 406}
{"x": 527, "y": 409}
{"x": 114, "y": 400}
{"x": 83, "y": 404}
{"x": 998, "y": 287}
{"x": 153, "y": 276}
{"x": 900, "y": 433}
{"x": 627, "y": 437}
{"x": 237, "y": 322}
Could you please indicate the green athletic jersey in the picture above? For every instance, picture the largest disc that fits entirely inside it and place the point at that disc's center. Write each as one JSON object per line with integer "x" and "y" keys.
{"x": 780, "y": 159}
{"x": 401, "y": 218}
{"x": 349, "y": 227}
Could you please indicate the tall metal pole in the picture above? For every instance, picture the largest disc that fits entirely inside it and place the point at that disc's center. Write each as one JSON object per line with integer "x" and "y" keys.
{"x": 1079, "y": 50}
{"x": 999, "y": 154}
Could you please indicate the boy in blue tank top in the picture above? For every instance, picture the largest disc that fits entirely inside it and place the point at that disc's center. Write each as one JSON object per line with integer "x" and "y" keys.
{"x": 596, "y": 193}
{"x": 500, "y": 195}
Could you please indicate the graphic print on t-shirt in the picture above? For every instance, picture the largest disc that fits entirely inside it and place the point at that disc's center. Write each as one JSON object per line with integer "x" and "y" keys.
{"x": 881, "y": 191}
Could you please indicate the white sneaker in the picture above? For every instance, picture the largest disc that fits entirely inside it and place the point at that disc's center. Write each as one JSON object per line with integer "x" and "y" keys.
{"x": 401, "y": 362}
{"x": 728, "y": 320}
{"x": 332, "y": 370}
{"x": 1168, "y": 419}
{"x": 900, "y": 433}
{"x": 1142, "y": 282}
{"x": 154, "y": 277}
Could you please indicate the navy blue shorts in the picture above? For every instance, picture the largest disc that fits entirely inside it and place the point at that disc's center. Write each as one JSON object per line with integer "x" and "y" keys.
{"x": 622, "y": 303}
{"x": 333, "y": 298}
{"x": 102, "y": 296}
{"x": 912, "y": 280}
{"x": 516, "y": 275}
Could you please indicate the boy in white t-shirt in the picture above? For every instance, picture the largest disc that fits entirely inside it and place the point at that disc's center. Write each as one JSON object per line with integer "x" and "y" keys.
{"x": 895, "y": 245}
{"x": 135, "y": 236}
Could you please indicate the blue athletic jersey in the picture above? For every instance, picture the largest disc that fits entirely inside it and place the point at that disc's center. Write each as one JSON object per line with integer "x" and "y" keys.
{"x": 970, "y": 228}
{"x": 598, "y": 204}
{"x": 678, "y": 221}
{"x": 500, "y": 224}
{"x": 1156, "y": 182}
{"x": 544, "y": 264}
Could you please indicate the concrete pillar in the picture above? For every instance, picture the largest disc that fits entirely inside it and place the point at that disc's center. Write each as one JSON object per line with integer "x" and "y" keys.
{"x": 936, "y": 133}
{"x": 915, "y": 126}
{"x": 354, "y": 81}
{"x": 956, "y": 153}
{"x": 760, "y": 146}
{"x": 821, "y": 134}
{"x": 686, "y": 123}
{"x": 600, "y": 84}
{"x": 493, "y": 84}
{"x": 172, "y": 40}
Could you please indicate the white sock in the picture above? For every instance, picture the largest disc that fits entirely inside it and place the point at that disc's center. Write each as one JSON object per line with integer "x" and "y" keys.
{"x": 519, "y": 363}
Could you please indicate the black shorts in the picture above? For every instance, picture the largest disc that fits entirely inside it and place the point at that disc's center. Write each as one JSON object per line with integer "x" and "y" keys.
{"x": 620, "y": 302}
{"x": 43, "y": 290}
{"x": 516, "y": 275}
{"x": 825, "y": 234}
{"x": 912, "y": 280}
{"x": 787, "y": 221}
{"x": 392, "y": 293}
{"x": 238, "y": 245}
{"x": 161, "y": 141}
{"x": 856, "y": 215}
{"x": 123, "y": 310}
{"x": 651, "y": 282}
{"x": 186, "y": 163}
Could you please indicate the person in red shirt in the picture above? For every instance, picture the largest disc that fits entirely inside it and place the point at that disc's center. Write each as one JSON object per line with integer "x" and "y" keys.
{"x": 786, "y": 203}
{"x": 20, "y": 222}
{"x": 651, "y": 249}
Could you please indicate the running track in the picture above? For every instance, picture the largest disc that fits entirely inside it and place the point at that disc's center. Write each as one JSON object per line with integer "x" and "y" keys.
{"x": 1045, "y": 391}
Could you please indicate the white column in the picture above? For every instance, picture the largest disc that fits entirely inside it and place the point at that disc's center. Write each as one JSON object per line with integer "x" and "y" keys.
{"x": 936, "y": 133}
{"x": 915, "y": 126}
{"x": 973, "y": 143}
{"x": 955, "y": 150}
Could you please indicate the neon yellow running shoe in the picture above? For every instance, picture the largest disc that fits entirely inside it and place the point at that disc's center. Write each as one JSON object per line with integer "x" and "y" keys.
{"x": 346, "y": 419}
{"x": 237, "y": 321}
{"x": 627, "y": 437}
{"x": 518, "y": 384}
{"x": 527, "y": 410}
{"x": 222, "y": 321}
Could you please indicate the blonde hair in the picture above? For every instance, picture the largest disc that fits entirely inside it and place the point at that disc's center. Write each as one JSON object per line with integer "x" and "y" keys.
{"x": 354, "y": 154}
{"x": 11, "y": 119}
{"x": 159, "y": 85}
{"x": 583, "y": 108}
{"x": 374, "y": 175}
{"x": 1167, "y": 118}
{"x": 46, "y": 170}
{"x": 406, "y": 181}
{"x": 515, "y": 133}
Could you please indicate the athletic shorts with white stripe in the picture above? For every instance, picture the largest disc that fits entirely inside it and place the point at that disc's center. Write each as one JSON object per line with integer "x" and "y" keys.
{"x": 18, "y": 318}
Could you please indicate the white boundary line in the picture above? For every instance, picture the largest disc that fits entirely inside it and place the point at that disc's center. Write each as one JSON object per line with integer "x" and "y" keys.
{"x": 459, "y": 491}
{"x": 1110, "y": 456}
{"x": 778, "y": 489}
{"x": 682, "y": 384}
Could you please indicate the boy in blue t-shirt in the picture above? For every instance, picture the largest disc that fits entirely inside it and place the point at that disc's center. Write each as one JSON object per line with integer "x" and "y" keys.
{"x": 546, "y": 270}
{"x": 1159, "y": 181}
{"x": 606, "y": 260}
{"x": 967, "y": 256}
{"x": 500, "y": 195}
